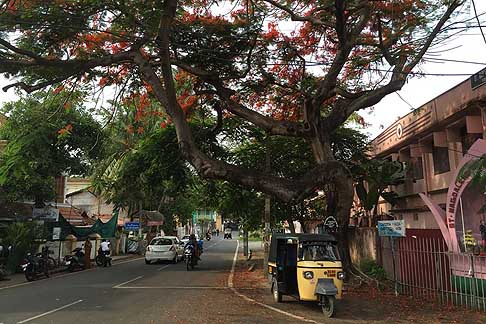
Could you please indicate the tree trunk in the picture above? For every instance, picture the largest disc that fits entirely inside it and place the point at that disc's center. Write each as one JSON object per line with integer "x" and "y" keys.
{"x": 291, "y": 225}
{"x": 338, "y": 176}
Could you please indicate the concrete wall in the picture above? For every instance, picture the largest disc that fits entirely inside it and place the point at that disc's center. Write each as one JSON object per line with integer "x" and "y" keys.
{"x": 362, "y": 244}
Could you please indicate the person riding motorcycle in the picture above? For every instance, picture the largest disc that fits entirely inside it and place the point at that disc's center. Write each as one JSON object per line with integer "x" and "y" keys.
{"x": 195, "y": 245}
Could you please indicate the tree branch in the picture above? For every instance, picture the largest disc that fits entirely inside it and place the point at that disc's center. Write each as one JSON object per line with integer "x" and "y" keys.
{"x": 296, "y": 17}
{"x": 270, "y": 125}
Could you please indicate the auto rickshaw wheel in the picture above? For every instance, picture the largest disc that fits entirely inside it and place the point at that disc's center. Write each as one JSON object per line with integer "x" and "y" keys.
{"x": 277, "y": 295}
{"x": 328, "y": 305}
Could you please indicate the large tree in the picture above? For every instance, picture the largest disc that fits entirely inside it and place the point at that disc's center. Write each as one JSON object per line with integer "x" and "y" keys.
{"x": 49, "y": 135}
{"x": 339, "y": 57}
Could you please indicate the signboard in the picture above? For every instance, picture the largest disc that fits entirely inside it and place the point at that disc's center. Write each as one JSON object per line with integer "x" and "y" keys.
{"x": 478, "y": 79}
{"x": 394, "y": 228}
{"x": 155, "y": 223}
{"x": 56, "y": 233}
{"x": 46, "y": 214}
{"x": 330, "y": 225}
{"x": 132, "y": 226}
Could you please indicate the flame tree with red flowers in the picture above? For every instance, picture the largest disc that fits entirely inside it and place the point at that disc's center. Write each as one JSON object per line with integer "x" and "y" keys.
{"x": 290, "y": 68}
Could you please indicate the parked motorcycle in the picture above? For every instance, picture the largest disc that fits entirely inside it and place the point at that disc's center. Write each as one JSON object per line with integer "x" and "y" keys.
{"x": 103, "y": 259}
{"x": 190, "y": 257}
{"x": 76, "y": 260}
{"x": 35, "y": 266}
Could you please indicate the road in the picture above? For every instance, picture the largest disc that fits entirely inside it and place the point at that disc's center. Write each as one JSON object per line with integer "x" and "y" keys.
{"x": 133, "y": 292}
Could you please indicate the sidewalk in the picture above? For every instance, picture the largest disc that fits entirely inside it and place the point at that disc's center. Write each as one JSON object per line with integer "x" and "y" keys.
{"x": 19, "y": 278}
{"x": 361, "y": 304}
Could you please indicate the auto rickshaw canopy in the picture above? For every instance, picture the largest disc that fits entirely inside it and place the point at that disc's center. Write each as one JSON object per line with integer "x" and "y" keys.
{"x": 297, "y": 238}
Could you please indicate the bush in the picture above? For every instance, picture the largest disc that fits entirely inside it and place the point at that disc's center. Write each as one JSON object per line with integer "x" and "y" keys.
{"x": 372, "y": 269}
{"x": 22, "y": 237}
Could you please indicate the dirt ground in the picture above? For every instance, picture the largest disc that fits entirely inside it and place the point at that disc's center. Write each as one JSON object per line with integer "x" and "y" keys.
{"x": 361, "y": 303}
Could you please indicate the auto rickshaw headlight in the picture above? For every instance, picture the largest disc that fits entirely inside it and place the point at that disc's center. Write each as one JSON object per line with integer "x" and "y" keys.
{"x": 308, "y": 275}
{"x": 340, "y": 275}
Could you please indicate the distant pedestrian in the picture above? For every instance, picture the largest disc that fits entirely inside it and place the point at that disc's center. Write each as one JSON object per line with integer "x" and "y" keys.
{"x": 87, "y": 253}
{"x": 482, "y": 230}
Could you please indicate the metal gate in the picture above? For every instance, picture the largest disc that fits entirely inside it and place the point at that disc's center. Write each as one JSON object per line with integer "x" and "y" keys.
{"x": 424, "y": 268}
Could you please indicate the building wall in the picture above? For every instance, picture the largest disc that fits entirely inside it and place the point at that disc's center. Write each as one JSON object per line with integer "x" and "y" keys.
{"x": 362, "y": 244}
{"x": 76, "y": 184}
{"x": 451, "y": 121}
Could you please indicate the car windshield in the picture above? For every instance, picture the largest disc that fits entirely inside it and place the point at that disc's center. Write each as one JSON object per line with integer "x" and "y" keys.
{"x": 185, "y": 237}
{"x": 318, "y": 252}
{"x": 161, "y": 241}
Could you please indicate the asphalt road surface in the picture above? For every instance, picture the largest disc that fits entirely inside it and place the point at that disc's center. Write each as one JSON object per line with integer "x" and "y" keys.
{"x": 133, "y": 292}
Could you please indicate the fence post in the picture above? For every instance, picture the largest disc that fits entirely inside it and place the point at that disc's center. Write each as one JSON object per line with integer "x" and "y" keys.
{"x": 392, "y": 239}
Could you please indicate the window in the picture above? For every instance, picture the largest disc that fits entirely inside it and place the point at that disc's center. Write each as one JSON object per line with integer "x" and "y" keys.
{"x": 161, "y": 241}
{"x": 441, "y": 159}
{"x": 417, "y": 168}
{"x": 318, "y": 252}
{"x": 468, "y": 139}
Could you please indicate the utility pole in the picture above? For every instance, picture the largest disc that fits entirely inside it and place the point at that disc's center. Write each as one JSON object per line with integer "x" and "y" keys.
{"x": 267, "y": 231}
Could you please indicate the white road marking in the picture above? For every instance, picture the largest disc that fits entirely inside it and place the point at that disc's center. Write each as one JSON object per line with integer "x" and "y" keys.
{"x": 251, "y": 300}
{"x": 232, "y": 272}
{"x": 50, "y": 312}
{"x": 127, "y": 282}
{"x": 162, "y": 268}
{"x": 210, "y": 246}
{"x": 297, "y": 317}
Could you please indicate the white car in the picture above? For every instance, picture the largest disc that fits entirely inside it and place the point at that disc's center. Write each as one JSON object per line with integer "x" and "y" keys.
{"x": 168, "y": 248}
{"x": 185, "y": 238}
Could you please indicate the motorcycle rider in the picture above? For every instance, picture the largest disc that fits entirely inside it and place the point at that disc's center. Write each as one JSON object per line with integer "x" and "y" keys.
{"x": 105, "y": 250}
{"x": 195, "y": 245}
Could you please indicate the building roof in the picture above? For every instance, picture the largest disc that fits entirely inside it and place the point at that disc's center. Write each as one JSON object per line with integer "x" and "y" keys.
{"x": 15, "y": 210}
{"x": 75, "y": 216}
{"x": 79, "y": 191}
{"x": 149, "y": 215}
{"x": 424, "y": 119}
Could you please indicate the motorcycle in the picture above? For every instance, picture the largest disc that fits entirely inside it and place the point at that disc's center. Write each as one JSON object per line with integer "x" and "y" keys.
{"x": 35, "y": 266}
{"x": 76, "y": 260}
{"x": 208, "y": 236}
{"x": 103, "y": 259}
{"x": 190, "y": 257}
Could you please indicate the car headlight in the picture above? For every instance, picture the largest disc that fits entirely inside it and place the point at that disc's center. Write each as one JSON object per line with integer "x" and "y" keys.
{"x": 308, "y": 274}
{"x": 340, "y": 275}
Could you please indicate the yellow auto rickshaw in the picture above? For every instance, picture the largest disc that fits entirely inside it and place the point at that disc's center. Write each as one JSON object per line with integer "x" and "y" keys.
{"x": 307, "y": 267}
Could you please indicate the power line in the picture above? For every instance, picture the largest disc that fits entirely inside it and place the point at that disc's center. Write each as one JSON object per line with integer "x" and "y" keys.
{"x": 477, "y": 19}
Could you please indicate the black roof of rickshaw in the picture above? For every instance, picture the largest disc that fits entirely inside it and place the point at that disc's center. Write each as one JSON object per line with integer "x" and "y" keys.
{"x": 305, "y": 237}
{"x": 301, "y": 237}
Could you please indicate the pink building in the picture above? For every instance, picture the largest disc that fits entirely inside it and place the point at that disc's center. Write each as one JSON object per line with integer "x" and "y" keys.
{"x": 432, "y": 141}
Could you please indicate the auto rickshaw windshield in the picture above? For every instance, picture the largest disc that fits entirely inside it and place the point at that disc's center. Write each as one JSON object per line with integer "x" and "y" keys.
{"x": 318, "y": 252}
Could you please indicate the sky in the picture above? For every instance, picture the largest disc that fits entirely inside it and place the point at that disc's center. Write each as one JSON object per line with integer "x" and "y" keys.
{"x": 418, "y": 90}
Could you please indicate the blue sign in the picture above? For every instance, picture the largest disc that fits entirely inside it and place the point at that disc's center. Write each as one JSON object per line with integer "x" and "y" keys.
{"x": 132, "y": 226}
{"x": 394, "y": 228}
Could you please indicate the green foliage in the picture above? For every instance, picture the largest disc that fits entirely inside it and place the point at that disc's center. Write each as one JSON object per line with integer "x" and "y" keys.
{"x": 23, "y": 237}
{"x": 46, "y": 138}
{"x": 476, "y": 170}
{"x": 373, "y": 178}
{"x": 240, "y": 204}
{"x": 372, "y": 269}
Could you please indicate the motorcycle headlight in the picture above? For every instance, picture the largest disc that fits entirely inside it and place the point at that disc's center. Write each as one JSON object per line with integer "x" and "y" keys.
{"x": 340, "y": 275}
{"x": 308, "y": 275}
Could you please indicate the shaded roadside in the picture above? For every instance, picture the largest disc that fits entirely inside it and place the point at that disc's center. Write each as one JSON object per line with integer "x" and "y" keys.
{"x": 361, "y": 303}
{"x": 19, "y": 278}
